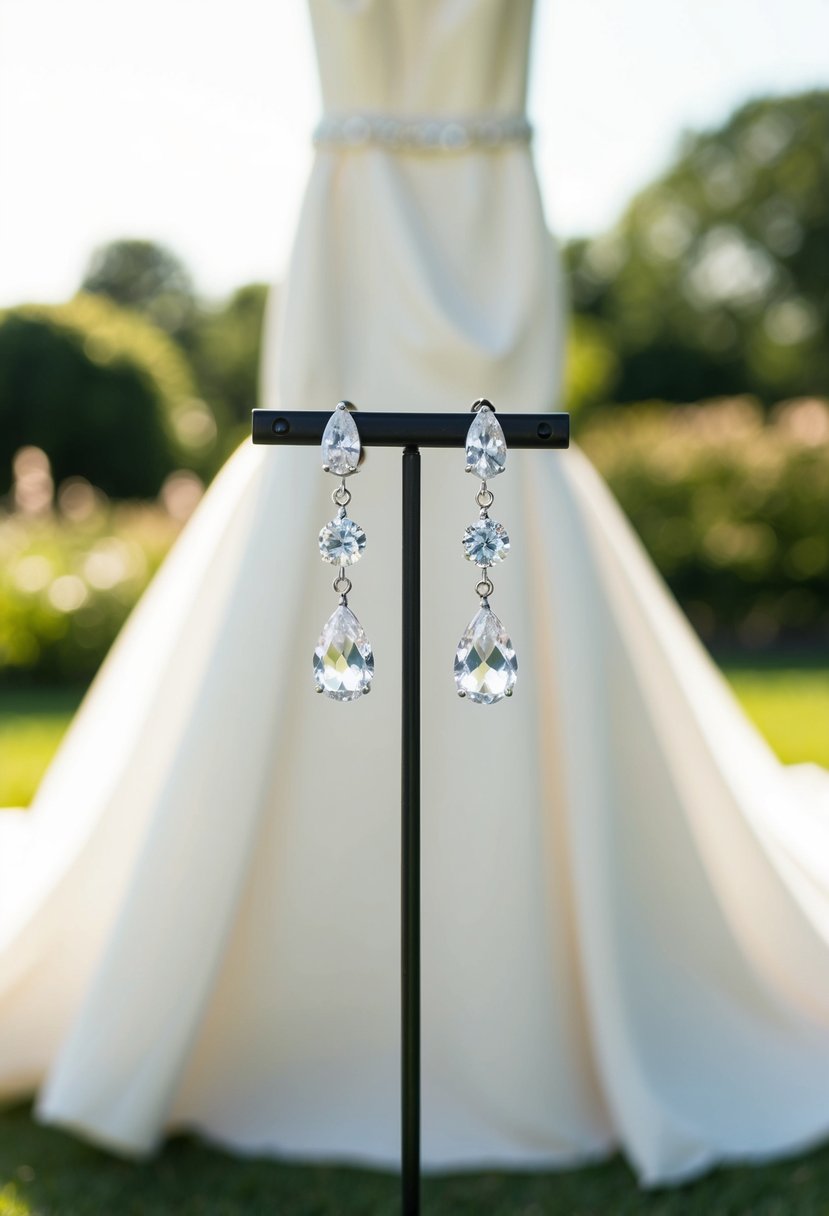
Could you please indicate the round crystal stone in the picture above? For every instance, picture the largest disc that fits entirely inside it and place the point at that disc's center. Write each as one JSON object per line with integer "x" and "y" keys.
{"x": 485, "y": 542}
{"x": 342, "y": 541}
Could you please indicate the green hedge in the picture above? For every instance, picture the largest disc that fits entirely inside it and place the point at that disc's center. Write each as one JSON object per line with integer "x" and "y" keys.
{"x": 105, "y": 394}
{"x": 733, "y": 509}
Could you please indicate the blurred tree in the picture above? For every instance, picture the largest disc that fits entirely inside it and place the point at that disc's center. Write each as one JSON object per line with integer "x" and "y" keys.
{"x": 147, "y": 277}
{"x": 592, "y": 364}
{"x": 106, "y": 395}
{"x": 716, "y": 280}
{"x": 224, "y": 344}
{"x": 222, "y": 341}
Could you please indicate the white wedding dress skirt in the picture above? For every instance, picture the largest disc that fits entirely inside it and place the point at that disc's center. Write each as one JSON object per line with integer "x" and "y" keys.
{"x": 625, "y": 895}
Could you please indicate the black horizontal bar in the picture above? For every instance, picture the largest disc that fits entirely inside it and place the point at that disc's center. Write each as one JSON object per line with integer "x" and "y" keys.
{"x": 421, "y": 430}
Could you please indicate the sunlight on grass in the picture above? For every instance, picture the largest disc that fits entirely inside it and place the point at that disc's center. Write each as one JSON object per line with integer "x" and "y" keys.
{"x": 10, "y": 1204}
{"x": 32, "y": 724}
{"x": 791, "y": 708}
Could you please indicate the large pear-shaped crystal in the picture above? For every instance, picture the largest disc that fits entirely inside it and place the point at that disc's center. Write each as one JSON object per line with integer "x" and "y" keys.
{"x": 485, "y": 664}
{"x": 343, "y": 658}
{"x": 486, "y": 448}
{"x": 341, "y": 443}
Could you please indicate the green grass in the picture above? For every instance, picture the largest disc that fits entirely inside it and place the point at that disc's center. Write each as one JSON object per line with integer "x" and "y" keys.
{"x": 46, "y": 1173}
{"x": 790, "y": 705}
{"x": 32, "y": 723}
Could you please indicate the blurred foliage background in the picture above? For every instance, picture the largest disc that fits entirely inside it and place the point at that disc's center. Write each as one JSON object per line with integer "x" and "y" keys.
{"x": 715, "y": 280}
{"x": 697, "y": 377}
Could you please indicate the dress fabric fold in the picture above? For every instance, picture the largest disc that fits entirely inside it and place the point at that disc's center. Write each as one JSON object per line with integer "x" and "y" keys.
{"x": 625, "y": 895}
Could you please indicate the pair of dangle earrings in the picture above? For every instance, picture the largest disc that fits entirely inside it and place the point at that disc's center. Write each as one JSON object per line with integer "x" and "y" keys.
{"x": 486, "y": 666}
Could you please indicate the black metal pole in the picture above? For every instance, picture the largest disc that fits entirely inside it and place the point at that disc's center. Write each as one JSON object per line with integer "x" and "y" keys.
{"x": 410, "y": 837}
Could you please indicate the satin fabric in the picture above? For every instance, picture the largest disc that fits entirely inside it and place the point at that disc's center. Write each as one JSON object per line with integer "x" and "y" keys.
{"x": 625, "y": 895}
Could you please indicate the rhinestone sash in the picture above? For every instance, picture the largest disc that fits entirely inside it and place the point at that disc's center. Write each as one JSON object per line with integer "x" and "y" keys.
{"x": 488, "y": 132}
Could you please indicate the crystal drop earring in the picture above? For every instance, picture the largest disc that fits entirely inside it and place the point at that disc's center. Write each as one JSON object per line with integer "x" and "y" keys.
{"x": 343, "y": 658}
{"x": 486, "y": 666}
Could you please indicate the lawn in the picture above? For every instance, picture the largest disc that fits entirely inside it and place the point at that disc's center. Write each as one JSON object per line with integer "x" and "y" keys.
{"x": 790, "y": 705}
{"x": 32, "y": 723}
{"x": 46, "y": 1173}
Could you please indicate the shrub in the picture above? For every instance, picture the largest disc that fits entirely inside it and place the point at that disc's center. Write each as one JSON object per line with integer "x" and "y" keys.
{"x": 101, "y": 391}
{"x": 732, "y": 508}
{"x": 67, "y": 585}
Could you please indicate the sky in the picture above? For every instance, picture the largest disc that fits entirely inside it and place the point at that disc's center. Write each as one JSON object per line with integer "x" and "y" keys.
{"x": 188, "y": 121}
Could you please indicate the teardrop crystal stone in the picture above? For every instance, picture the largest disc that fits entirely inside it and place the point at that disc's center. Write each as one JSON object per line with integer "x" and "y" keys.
{"x": 343, "y": 658}
{"x": 485, "y": 664}
{"x": 341, "y": 443}
{"x": 486, "y": 448}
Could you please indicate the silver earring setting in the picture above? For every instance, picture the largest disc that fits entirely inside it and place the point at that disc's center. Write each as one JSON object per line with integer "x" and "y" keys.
{"x": 343, "y": 658}
{"x": 486, "y": 666}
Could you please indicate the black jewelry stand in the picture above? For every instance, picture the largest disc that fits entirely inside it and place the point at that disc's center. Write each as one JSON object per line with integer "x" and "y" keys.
{"x": 411, "y": 432}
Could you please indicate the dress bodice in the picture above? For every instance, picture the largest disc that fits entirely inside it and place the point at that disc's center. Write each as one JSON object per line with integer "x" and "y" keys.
{"x": 423, "y": 57}
{"x": 419, "y": 276}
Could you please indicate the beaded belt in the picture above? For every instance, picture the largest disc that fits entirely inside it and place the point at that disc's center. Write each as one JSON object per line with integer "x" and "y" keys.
{"x": 421, "y": 134}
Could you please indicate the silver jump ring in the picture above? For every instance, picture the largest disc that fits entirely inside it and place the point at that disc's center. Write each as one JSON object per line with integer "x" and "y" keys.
{"x": 342, "y": 584}
{"x": 341, "y": 496}
{"x": 484, "y": 587}
{"x": 484, "y": 498}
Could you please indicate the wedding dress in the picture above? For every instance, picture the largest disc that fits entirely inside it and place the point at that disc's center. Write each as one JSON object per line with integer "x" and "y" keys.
{"x": 625, "y": 895}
